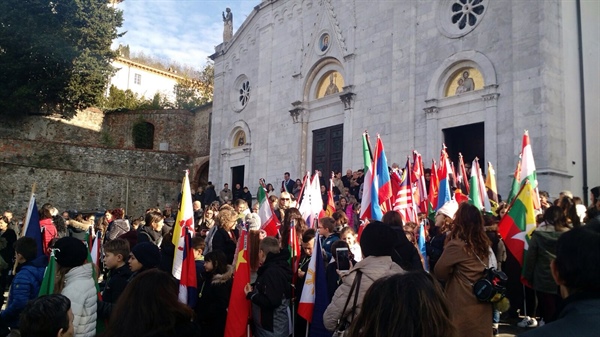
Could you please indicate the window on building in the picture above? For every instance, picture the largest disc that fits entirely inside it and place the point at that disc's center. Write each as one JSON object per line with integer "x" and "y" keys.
{"x": 143, "y": 135}
{"x": 137, "y": 79}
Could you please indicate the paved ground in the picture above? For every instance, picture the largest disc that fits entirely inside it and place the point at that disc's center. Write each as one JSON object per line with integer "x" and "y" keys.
{"x": 508, "y": 327}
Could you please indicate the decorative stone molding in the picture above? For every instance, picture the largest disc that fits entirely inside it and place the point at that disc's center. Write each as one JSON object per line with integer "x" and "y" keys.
{"x": 297, "y": 112}
{"x": 336, "y": 25}
{"x": 347, "y": 97}
{"x": 490, "y": 97}
{"x": 431, "y": 110}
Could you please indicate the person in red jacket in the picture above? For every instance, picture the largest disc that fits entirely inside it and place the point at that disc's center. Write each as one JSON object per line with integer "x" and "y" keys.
{"x": 47, "y": 226}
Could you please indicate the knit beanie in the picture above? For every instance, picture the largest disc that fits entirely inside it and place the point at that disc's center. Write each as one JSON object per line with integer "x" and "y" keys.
{"x": 449, "y": 208}
{"x": 70, "y": 252}
{"x": 147, "y": 253}
{"x": 377, "y": 239}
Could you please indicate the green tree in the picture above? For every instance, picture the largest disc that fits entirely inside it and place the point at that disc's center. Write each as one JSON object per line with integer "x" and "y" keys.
{"x": 195, "y": 91}
{"x": 55, "y": 56}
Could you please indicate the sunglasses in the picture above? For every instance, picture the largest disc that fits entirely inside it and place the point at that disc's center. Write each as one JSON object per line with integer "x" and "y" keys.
{"x": 285, "y": 199}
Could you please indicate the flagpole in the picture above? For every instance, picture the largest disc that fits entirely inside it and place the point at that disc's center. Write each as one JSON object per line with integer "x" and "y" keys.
{"x": 515, "y": 198}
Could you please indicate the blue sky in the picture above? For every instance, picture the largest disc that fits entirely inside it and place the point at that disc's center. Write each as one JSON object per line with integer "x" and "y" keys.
{"x": 185, "y": 31}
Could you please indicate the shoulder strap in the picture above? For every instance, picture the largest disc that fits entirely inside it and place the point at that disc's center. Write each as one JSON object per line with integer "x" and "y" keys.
{"x": 355, "y": 285}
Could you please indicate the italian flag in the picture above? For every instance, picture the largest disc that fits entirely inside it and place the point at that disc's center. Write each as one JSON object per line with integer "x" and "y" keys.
{"x": 519, "y": 222}
{"x": 267, "y": 219}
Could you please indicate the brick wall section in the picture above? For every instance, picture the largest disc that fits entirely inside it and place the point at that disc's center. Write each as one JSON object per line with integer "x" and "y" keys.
{"x": 89, "y": 162}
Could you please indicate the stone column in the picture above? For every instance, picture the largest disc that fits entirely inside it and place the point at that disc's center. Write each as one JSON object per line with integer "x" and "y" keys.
{"x": 491, "y": 126}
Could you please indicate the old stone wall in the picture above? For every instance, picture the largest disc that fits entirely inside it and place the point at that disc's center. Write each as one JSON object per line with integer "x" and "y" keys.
{"x": 89, "y": 162}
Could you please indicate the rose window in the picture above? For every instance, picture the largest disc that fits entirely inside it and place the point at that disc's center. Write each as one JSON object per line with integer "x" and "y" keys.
{"x": 467, "y": 12}
{"x": 244, "y": 93}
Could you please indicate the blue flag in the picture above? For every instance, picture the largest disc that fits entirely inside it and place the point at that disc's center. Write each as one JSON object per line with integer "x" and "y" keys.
{"x": 422, "y": 248}
{"x": 321, "y": 297}
{"x": 32, "y": 225}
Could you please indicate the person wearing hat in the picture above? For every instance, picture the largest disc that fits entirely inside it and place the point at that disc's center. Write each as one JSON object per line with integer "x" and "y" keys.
{"x": 437, "y": 233}
{"x": 75, "y": 280}
{"x": 143, "y": 256}
{"x": 377, "y": 244}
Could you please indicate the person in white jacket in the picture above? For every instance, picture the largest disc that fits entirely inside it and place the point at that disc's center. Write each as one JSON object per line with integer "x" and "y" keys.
{"x": 75, "y": 280}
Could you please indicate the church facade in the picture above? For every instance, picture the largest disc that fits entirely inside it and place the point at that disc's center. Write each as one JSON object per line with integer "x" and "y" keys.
{"x": 301, "y": 80}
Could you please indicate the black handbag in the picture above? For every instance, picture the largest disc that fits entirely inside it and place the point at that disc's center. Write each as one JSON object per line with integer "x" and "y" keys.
{"x": 343, "y": 322}
{"x": 491, "y": 288}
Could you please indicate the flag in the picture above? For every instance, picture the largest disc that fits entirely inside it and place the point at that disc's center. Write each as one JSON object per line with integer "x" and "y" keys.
{"x": 444, "y": 180}
{"x": 422, "y": 246}
{"x": 404, "y": 203}
{"x": 239, "y": 310}
{"x": 96, "y": 253}
{"x": 518, "y": 224}
{"x": 184, "y": 267}
{"x": 100, "y": 324}
{"x": 482, "y": 193}
{"x": 32, "y": 225}
{"x": 514, "y": 188}
{"x": 490, "y": 186}
{"x": 311, "y": 206}
{"x": 382, "y": 180}
{"x": 419, "y": 188}
{"x": 434, "y": 186}
{"x": 463, "y": 180}
{"x": 365, "y": 205}
{"x": 474, "y": 195}
{"x": 294, "y": 247}
{"x": 268, "y": 220}
{"x": 314, "y": 299}
{"x": 47, "y": 287}
{"x": 528, "y": 172}
{"x": 330, "y": 202}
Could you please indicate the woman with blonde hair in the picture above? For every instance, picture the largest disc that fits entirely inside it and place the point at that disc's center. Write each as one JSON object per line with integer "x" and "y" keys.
{"x": 466, "y": 255}
{"x": 226, "y": 235}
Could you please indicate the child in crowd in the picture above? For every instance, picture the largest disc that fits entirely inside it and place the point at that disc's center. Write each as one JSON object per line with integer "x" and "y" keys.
{"x": 308, "y": 242}
{"x": 198, "y": 246}
{"x": 328, "y": 235}
{"x": 116, "y": 252}
{"x": 75, "y": 280}
{"x": 349, "y": 235}
{"x": 271, "y": 292}
{"x": 143, "y": 256}
{"x": 213, "y": 294}
{"x": 26, "y": 284}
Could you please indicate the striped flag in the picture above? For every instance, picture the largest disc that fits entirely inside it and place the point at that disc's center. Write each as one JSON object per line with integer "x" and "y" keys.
{"x": 433, "y": 190}
{"x": 314, "y": 299}
{"x": 268, "y": 220}
{"x": 330, "y": 202}
{"x": 184, "y": 266}
{"x": 365, "y": 205}
{"x": 418, "y": 181}
{"x": 528, "y": 171}
{"x": 422, "y": 246}
{"x": 463, "y": 178}
{"x": 518, "y": 224}
{"x": 490, "y": 184}
{"x": 444, "y": 194}
{"x": 514, "y": 187}
{"x": 404, "y": 203}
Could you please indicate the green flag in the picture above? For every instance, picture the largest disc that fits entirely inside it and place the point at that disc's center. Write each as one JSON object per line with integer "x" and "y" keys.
{"x": 474, "y": 195}
{"x": 47, "y": 287}
{"x": 366, "y": 152}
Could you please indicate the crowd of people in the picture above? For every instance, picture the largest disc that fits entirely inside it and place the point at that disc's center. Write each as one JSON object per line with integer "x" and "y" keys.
{"x": 378, "y": 281}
